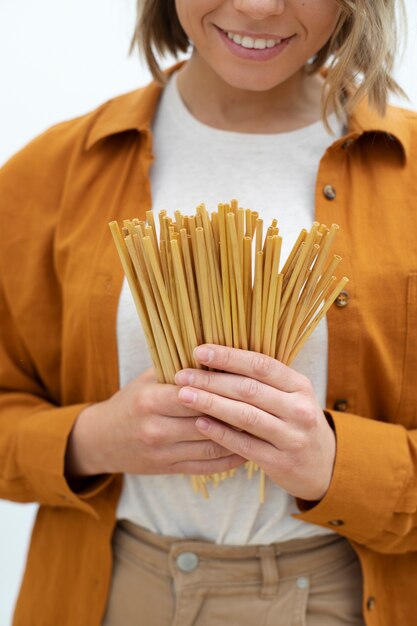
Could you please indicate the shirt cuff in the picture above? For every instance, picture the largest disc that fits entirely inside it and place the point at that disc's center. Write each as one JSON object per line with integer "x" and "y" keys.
{"x": 42, "y": 444}
{"x": 371, "y": 469}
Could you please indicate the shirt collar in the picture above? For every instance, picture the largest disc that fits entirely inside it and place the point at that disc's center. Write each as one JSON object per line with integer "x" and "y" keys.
{"x": 394, "y": 124}
{"x": 131, "y": 111}
{"x": 136, "y": 110}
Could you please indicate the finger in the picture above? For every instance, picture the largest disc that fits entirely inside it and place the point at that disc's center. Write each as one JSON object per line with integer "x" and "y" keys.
{"x": 274, "y": 401}
{"x": 162, "y": 399}
{"x": 204, "y": 468}
{"x": 251, "y": 364}
{"x": 241, "y": 443}
{"x": 238, "y": 414}
{"x": 163, "y": 430}
{"x": 206, "y": 450}
{"x": 158, "y": 398}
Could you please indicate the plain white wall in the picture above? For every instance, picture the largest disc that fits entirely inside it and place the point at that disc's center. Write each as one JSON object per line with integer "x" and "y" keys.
{"x": 59, "y": 60}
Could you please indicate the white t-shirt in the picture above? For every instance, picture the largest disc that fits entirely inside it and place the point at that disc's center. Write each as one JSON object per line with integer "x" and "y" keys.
{"x": 273, "y": 174}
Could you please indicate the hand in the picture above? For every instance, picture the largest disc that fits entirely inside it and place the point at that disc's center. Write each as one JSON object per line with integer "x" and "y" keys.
{"x": 143, "y": 429}
{"x": 266, "y": 412}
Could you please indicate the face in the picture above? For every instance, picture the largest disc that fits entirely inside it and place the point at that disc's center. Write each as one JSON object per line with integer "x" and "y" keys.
{"x": 257, "y": 44}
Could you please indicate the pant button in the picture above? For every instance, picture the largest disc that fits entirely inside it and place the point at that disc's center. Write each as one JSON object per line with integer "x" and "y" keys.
{"x": 302, "y": 582}
{"x": 187, "y": 561}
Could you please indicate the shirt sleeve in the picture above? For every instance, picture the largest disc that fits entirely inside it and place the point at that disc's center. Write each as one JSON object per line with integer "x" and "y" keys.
{"x": 35, "y": 422}
{"x": 372, "y": 498}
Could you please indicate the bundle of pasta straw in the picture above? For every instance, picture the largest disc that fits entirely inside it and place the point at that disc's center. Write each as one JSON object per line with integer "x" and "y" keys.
{"x": 197, "y": 285}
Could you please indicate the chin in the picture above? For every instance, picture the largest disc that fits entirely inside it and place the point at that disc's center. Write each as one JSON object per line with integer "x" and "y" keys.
{"x": 252, "y": 80}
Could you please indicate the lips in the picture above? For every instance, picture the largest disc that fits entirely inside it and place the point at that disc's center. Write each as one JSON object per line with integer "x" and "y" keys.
{"x": 253, "y": 46}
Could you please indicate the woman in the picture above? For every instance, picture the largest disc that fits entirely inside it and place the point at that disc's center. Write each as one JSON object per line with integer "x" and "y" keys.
{"x": 247, "y": 115}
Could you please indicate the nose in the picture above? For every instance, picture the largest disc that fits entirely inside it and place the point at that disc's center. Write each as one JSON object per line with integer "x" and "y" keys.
{"x": 259, "y": 9}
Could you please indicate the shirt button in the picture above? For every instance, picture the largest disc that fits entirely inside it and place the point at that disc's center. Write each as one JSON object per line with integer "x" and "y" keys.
{"x": 346, "y": 144}
{"x": 370, "y": 603}
{"x": 187, "y": 561}
{"x": 336, "y": 522}
{"x": 340, "y": 405}
{"x": 342, "y": 299}
{"x": 329, "y": 192}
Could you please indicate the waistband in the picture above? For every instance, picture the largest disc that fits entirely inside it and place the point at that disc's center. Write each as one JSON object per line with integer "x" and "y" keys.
{"x": 293, "y": 558}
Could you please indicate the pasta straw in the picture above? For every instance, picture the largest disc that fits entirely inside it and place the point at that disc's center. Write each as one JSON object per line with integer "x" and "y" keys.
{"x": 197, "y": 285}
{"x": 138, "y": 297}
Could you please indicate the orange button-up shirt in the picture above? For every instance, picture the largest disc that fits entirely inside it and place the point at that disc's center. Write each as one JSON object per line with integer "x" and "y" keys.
{"x": 59, "y": 287}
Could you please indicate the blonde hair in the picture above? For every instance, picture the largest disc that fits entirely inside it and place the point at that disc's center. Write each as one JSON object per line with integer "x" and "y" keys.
{"x": 359, "y": 56}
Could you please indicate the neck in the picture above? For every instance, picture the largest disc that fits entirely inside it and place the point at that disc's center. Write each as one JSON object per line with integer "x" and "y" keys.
{"x": 290, "y": 105}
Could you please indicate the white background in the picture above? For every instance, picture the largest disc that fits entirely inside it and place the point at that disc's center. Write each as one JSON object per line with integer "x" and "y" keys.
{"x": 59, "y": 60}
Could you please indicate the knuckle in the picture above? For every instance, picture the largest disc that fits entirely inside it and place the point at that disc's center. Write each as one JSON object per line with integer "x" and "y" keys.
{"x": 225, "y": 358}
{"x": 205, "y": 380}
{"x": 306, "y": 414}
{"x": 212, "y": 451}
{"x": 143, "y": 403}
{"x": 151, "y": 434}
{"x": 208, "y": 401}
{"x": 250, "y": 416}
{"x": 261, "y": 365}
{"x": 311, "y": 421}
{"x": 248, "y": 387}
{"x": 246, "y": 446}
{"x": 308, "y": 417}
{"x": 222, "y": 434}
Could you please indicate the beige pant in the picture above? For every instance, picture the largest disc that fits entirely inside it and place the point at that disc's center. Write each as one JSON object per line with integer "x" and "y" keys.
{"x": 163, "y": 581}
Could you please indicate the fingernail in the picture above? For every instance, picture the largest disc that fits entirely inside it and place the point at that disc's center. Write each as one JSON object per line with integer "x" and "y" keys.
{"x": 184, "y": 377}
{"x": 203, "y": 354}
{"x": 187, "y": 395}
{"x": 202, "y": 423}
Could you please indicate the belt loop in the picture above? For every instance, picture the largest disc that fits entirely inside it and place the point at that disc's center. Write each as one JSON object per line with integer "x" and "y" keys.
{"x": 269, "y": 568}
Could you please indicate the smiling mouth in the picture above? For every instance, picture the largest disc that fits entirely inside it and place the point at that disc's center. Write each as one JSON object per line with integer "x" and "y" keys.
{"x": 254, "y": 43}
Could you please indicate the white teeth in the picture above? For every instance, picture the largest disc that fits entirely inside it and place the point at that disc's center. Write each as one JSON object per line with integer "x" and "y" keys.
{"x": 249, "y": 42}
